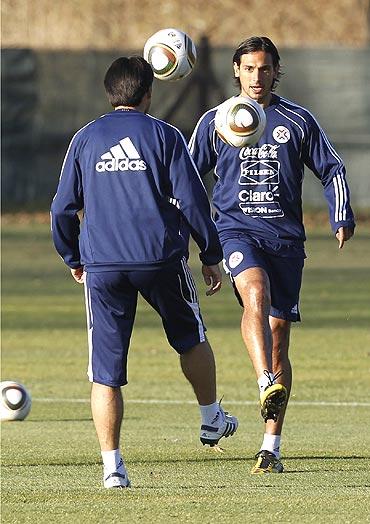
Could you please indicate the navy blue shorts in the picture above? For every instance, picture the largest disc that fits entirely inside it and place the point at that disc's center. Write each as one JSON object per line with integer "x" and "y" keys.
{"x": 111, "y": 299}
{"x": 284, "y": 272}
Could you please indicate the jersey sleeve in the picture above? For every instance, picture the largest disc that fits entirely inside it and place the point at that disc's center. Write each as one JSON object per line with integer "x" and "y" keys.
{"x": 201, "y": 144}
{"x": 190, "y": 193}
{"x": 65, "y": 224}
{"x": 321, "y": 157}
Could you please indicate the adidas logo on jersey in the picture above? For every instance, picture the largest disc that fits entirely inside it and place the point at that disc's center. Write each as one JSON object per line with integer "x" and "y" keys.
{"x": 121, "y": 157}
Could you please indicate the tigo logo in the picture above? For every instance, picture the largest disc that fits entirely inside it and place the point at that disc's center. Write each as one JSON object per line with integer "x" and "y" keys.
{"x": 121, "y": 157}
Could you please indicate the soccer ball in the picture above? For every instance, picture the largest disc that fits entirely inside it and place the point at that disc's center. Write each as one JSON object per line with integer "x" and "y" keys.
{"x": 171, "y": 53}
{"x": 240, "y": 121}
{"x": 15, "y": 401}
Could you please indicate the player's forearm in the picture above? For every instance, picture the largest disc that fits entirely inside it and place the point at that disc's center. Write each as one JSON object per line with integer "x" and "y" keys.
{"x": 338, "y": 198}
{"x": 65, "y": 232}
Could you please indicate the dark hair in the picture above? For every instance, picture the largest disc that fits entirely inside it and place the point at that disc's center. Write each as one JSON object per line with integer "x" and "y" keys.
{"x": 259, "y": 43}
{"x": 127, "y": 80}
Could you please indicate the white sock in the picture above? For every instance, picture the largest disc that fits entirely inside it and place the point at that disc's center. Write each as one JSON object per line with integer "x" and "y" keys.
{"x": 264, "y": 381}
{"x": 113, "y": 461}
{"x": 209, "y": 413}
{"x": 271, "y": 443}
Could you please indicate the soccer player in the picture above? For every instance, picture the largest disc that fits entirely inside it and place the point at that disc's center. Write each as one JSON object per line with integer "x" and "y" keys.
{"x": 258, "y": 204}
{"x": 134, "y": 179}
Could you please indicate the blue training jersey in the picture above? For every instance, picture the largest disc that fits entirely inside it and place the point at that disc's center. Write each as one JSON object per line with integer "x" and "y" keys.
{"x": 258, "y": 189}
{"x": 136, "y": 182}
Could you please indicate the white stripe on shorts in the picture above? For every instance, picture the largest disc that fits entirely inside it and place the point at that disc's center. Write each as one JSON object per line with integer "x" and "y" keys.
{"x": 189, "y": 280}
{"x": 194, "y": 304}
{"x": 90, "y": 322}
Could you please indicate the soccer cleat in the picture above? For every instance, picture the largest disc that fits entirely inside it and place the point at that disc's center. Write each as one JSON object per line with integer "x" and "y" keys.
{"x": 117, "y": 480}
{"x": 266, "y": 463}
{"x": 273, "y": 400}
{"x": 226, "y": 425}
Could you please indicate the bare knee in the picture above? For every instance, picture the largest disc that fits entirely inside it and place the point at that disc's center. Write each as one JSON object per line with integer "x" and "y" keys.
{"x": 254, "y": 289}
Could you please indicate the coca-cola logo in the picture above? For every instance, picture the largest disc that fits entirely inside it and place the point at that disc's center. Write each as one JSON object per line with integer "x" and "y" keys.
{"x": 263, "y": 152}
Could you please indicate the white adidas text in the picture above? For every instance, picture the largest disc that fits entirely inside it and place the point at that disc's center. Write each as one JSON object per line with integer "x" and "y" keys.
{"x": 120, "y": 165}
{"x": 121, "y": 157}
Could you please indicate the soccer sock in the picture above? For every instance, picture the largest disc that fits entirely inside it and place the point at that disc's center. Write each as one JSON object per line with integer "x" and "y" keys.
{"x": 209, "y": 413}
{"x": 271, "y": 443}
{"x": 264, "y": 381}
{"x": 113, "y": 461}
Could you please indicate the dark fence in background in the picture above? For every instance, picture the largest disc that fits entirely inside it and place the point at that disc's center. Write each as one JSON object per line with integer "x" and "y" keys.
{"x": 48, "y": 96}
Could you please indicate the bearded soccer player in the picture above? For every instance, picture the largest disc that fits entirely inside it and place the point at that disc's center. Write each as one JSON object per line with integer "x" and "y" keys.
{"x": 136, "y": 182}
{"x": 258, "y": 204}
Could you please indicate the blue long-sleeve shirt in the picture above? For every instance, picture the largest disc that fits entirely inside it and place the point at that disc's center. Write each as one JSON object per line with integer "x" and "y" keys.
{"x": 137, "y": 184}
{"x": 258, "y": 189}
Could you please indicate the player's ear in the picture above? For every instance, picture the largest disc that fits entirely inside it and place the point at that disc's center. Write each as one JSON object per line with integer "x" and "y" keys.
{"x": 236, "y": 70}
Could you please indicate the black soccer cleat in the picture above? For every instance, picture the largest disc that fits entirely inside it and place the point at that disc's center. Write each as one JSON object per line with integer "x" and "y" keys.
{"x": 267, "y": 462}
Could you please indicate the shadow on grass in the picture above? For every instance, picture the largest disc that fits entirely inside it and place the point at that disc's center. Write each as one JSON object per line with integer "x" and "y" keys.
{"x": 48, "y": 420}
{"x": 205, "y": 459}
{"x": 248, "y": 459}
{"x": 198, "y": 460}
{"x": 82, "y": 419}
{"x": 52, "y": 464}
{"x": 328, "y": 457}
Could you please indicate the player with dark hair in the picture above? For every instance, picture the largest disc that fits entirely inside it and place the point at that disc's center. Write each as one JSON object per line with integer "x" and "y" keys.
{"x": 258, "y": 204}
{"x": 134, "y": 179}
{"x": 253, "y": 45}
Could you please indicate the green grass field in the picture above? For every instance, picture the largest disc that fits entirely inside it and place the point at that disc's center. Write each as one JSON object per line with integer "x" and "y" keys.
{"x": 51, "y": 468}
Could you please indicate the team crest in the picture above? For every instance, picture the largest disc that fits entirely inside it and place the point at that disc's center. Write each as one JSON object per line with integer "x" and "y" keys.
{"x": 235, "y": 259}
{"x": 281, "y": 134}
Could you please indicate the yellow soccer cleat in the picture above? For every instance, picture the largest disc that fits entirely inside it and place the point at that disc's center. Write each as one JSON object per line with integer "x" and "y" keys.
{"x": 266, "y": 463}
{"x": 273, "y": 400}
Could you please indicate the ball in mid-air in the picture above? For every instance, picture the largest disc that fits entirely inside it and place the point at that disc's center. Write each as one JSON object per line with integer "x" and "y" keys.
{"x": 171, "y": 53}
{"x": 240, "y": 121}
{"x": 15, "y": 401}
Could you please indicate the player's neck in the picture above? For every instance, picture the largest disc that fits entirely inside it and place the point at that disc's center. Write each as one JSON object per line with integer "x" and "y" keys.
{"x": 263, "y": 102}
{"x": 142, "y": 107}
{"x": 125, "y": 108}
{"x": 266, "y": 101}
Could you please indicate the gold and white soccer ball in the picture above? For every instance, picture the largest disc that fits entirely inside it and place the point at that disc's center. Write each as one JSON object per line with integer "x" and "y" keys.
{"x": 171, "y": 53}
{"x": 240, "y": 121}
{"x": 15, "y": 401}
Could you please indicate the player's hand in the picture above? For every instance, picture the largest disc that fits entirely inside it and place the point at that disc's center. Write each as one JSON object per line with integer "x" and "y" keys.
{"x": 343, "y": 234}
{"x": 78, "y": 275}
{"x": 212, "y": 277}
